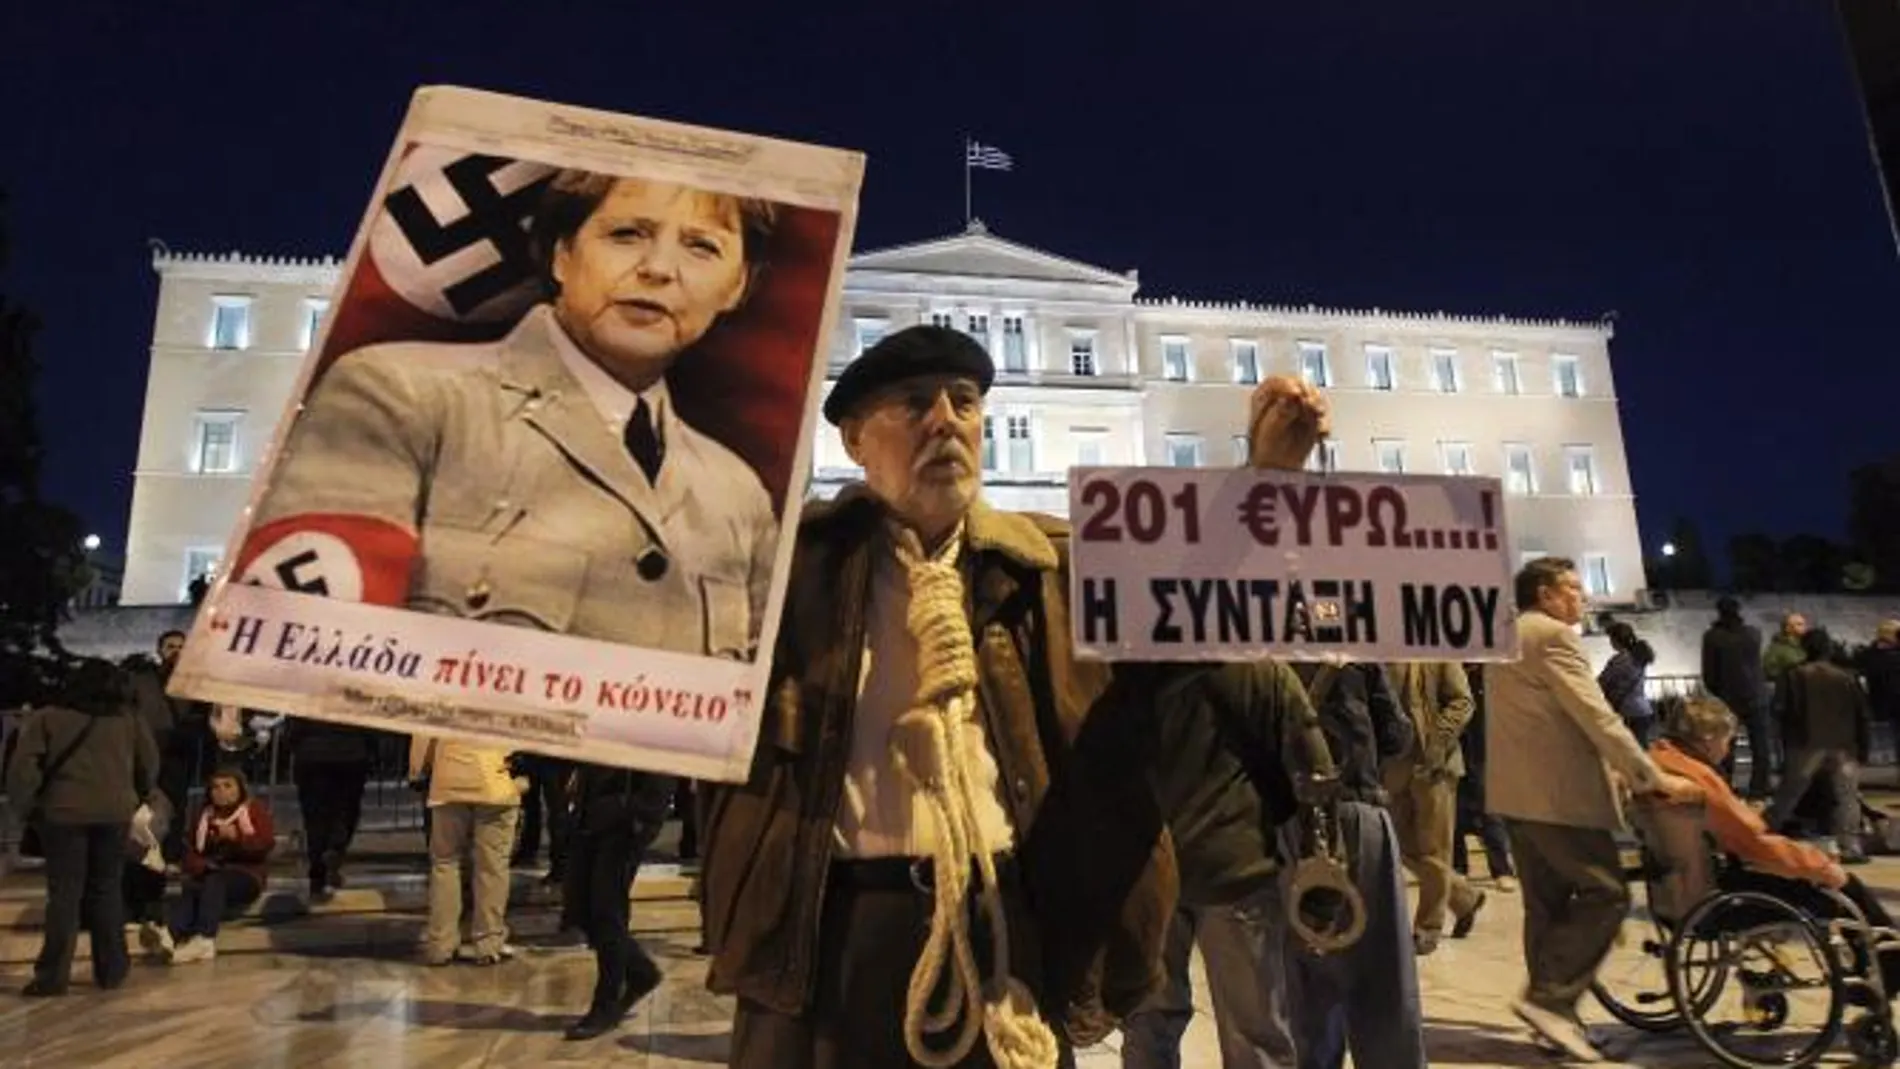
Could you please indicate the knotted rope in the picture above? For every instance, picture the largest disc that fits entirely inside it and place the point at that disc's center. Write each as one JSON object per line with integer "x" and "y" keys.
{"x": 930, "y": 749}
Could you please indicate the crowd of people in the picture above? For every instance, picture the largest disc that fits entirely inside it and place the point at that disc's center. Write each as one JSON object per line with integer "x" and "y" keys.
{"x": 102, "y": 781}
{"x": 960, "y": 845}
{"x": 1808, "y": 704}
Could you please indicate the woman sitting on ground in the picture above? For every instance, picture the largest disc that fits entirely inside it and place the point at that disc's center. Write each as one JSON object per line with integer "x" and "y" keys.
{"x": 225, "y": 853}
{"x": 1697, "y": 734}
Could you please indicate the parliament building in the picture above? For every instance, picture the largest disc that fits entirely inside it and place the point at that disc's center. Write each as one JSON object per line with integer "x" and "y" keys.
{"x": 1089, "y": 372}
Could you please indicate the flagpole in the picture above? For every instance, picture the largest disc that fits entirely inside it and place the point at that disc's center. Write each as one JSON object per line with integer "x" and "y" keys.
{"x": 966, "y": 182}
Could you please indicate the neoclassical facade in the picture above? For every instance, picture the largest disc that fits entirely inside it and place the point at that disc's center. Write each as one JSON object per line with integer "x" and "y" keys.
{"x": 1089, "y": 372}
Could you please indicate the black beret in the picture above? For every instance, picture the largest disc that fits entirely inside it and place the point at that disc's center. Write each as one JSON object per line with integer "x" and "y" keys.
{"x": 913, "y": 351}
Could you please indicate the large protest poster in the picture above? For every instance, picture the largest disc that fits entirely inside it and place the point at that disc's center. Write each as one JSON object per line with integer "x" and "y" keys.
{"x": 531, "y": 483}
{"x": 1190, "y": 564}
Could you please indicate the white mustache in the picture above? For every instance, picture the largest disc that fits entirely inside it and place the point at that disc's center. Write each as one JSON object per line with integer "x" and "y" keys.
{"x": 946, "y": 449}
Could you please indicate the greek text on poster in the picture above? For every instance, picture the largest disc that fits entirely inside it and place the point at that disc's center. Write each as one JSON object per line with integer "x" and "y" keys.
{"x": 1183, "y": 564}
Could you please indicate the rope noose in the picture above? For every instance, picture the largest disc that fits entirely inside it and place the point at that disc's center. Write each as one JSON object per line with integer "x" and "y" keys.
{"x": 930, "y": 749}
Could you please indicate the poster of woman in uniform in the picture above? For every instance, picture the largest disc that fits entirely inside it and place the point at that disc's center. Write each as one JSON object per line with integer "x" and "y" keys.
{"x": 531, "y": 485}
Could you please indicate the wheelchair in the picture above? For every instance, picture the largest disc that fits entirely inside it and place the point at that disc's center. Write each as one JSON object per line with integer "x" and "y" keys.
{"x": 1709, "y": 948}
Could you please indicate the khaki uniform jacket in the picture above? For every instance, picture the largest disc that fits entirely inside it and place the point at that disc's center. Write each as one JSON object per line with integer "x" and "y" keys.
{"x": 1071, "y": 748}
{"x": 1551, "y": 739}
{"x": 528, "y": 508}
{"x": 461, "y": 773}
{"x": 1437, "y": 696}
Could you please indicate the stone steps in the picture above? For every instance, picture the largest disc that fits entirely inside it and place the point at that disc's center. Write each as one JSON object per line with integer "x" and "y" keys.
{"x": 379, "y": 915}
{"x": 380, "y": 935}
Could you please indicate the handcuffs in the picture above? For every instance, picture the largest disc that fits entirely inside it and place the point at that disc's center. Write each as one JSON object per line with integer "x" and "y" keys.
{"x": 1323, "y": 905}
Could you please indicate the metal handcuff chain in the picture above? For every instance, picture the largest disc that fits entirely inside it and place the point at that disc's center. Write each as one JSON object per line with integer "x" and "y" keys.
{"x": 1323, "y": 904}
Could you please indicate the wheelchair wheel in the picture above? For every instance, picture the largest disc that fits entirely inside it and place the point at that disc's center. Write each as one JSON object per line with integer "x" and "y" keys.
{"x": 1773, "y": 962}
{"x": 1873, "y": 1041}
{"x": 1632, "y": 984}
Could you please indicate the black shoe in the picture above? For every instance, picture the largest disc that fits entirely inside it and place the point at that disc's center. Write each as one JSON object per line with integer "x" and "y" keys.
{"x": 642, "y": 978}
{"x": 41, "y": 989}
{"x": 597, "y": 1023}
{"x": 1461, "y": 926}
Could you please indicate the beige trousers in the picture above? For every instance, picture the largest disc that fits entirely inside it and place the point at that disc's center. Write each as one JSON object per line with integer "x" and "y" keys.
{"x": 485, "y": 834}
{"x": 1424, "y": 812}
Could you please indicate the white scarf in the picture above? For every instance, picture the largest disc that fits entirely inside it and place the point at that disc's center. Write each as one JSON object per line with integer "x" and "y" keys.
{"x": 240, "y": 818}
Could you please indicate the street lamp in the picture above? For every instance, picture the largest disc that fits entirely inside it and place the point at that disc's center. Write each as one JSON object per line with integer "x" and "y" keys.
{"x": 91, "y": 542}
{"x": 1668, "y": 549}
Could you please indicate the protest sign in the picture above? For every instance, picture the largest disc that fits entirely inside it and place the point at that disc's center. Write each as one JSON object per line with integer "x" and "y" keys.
{"x": 530, "y": 486}
{"x": 1189, "y": 564}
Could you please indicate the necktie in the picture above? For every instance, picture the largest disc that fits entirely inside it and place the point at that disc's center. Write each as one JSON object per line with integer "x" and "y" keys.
{"x": 643, "y": 441}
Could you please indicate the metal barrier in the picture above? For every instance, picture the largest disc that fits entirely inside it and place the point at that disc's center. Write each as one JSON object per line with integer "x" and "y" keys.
{"x": 1881, "y": 739}
{"x": 1656, "y": 688}
{"x": 389, "y": 804}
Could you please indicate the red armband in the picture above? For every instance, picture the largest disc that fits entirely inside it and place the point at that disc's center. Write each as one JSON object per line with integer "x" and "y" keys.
{"x": 331, "y": 555}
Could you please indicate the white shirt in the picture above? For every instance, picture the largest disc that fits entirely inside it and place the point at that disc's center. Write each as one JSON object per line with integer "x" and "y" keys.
{"x": 882, "y": 813}
{"x": 615, "y": 402}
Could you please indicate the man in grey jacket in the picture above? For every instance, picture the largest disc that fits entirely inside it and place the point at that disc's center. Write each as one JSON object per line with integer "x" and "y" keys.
{"x": 1559, "y": 760}
{"x": 82, "y": 766}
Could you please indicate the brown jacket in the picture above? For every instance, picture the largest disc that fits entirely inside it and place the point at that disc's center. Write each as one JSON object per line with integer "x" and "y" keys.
{"x": 1096, "y": 861}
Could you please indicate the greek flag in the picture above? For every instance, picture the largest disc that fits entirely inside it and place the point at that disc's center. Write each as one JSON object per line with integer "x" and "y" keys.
{"x": 986, "y": 157}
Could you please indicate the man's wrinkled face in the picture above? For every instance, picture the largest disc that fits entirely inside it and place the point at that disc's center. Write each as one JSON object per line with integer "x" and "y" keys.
{"x": 646, "y": 275}
{"x": 1563, "y": 599}
{"x": 920, "y": 444}
{"x": 169, "y": 648}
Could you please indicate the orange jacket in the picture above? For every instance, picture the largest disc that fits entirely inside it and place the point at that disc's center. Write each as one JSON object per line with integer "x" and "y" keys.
{"x": 1737, "y": 828}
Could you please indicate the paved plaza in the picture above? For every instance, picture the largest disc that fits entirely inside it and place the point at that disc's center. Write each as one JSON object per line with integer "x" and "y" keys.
{"x": 270, "y": 1003}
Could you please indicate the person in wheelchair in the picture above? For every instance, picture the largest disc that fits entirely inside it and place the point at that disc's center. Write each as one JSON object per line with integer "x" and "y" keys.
{"x": 1697, "y": 734}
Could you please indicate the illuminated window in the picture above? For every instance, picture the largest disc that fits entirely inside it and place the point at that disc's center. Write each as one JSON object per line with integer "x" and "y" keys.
{"x": 214, "y": 442}
{"x": 1380, "y": 374}
{"x": 1313, "y": 365}
{"x": 230, "y": 322}
{"x": 1246, "y": 354}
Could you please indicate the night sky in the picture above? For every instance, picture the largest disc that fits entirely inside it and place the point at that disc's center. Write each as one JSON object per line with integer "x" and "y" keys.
{"x": 1698, "y": 166}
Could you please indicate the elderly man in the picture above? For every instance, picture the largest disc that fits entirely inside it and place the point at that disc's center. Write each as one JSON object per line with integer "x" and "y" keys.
{"x": 949, "y": 826}
{"x": 1555, "y": 749}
